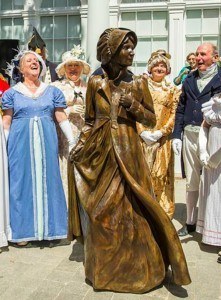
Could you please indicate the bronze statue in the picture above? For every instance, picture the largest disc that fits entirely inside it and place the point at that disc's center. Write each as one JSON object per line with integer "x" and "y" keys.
{"x": 129, "y": 239}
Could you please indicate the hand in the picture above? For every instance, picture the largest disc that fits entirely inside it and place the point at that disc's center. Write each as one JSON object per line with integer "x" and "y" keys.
{"x": 177, "y": 146}
{"x": 204, "y": 158}
{"x": 210, "y": 116}
{"x": 78, "y": 109}
{"x": 157, "y": 135}
{"x": 217, "y": 99}
{"x": 147, "y": 137}
{"x": 151, "y": 137}
{"x": 207, "y": 105}
{"x": 186, "y": 71}
{"x": 212, "y": 110}
{"x": 125, "y": 100}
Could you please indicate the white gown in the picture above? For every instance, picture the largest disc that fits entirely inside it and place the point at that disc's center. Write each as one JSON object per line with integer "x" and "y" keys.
{"x": 74, "y": 95}
{"x": 209, "y": 213}
{"x": 5, "y": 231}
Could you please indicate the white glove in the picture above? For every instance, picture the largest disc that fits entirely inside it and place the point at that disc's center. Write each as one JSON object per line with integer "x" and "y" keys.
{"x": 157, "y": 135}
{"x": 75, "y": 109}
{"x": 151, "y": 137}
{"x": 202, "y": 143}
{"x": 78, "y": 109}
{"x": 217, "y": 98}
{"x": 146, "y": 136}
{"x": 207, "y": 105}
{"x": 212, "y": 109}
{"x": 6, "y": 134}
{"x": 66, "y": 129}
{"x": 177, "y": 146}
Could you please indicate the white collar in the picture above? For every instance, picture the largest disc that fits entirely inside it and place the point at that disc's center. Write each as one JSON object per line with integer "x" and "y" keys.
{"x": 22, "y": 88}
{"x": 209, "y": 71}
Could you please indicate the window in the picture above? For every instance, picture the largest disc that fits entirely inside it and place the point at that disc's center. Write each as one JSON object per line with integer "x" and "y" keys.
{"x": 59, "y": 3}
{"x": 202, "y": 25}
{"x": 60, "y": 33}
{"x": 12, "y": 28}
{"x": 11, "y": 4}
{"x": 151, "y": 28}
{"x": 142, "y": 1}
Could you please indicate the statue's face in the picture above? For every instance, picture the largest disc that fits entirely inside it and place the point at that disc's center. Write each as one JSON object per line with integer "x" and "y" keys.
{"x": 125, "y": 55}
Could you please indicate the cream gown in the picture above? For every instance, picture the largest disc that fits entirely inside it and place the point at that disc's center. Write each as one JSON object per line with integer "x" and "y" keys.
{"x": 5, "y": 231}
{"x": 74, "y": 95}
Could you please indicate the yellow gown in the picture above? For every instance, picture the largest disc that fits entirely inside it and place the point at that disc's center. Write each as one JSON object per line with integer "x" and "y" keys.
{"x": 159, "y": 155}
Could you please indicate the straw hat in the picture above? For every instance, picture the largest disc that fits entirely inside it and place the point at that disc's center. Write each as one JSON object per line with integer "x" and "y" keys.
{"x": 76, "y": 54}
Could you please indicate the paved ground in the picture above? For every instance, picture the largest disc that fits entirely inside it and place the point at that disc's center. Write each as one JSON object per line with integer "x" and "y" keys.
{"x": 44, "y": 274}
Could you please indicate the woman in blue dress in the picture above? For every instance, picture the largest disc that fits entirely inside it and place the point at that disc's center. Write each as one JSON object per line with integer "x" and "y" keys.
{"x": 37, "y": 203}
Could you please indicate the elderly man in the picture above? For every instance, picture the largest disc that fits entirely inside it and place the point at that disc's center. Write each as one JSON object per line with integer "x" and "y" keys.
{"x": 197, "y": 89}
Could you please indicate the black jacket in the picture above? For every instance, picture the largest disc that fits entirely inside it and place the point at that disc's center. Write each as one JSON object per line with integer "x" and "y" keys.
{"x": 52, "y": 67}
{"x": 191, "y": 100}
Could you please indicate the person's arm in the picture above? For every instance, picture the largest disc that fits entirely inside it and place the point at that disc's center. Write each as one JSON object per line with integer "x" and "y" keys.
{"x": 151, "y": 137}
{"x": 179, "y": 79}
{"x": 202, "y": 143}
{"x": 65, "y": 126}
{"x": 7, "y": 120}
{"x": 179, "y": 123}
{"x": 179, "y": 116}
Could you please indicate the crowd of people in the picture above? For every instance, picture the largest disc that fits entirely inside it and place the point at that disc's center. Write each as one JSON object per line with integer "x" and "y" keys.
{"x": 95, "y": 161}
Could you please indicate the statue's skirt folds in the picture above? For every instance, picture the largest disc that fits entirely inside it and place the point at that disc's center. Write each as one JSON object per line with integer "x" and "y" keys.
{"x": 129, "y": 240}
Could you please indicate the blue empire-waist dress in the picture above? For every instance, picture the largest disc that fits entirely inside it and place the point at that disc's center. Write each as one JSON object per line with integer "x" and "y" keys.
{"x": 38, "y": 208}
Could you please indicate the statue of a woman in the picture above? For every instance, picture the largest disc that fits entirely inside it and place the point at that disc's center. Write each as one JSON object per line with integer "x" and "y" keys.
{"x": 129, "y": 240}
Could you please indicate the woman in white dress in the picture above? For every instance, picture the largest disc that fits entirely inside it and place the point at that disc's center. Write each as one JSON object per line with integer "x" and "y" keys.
{"x": 209, "y": 214}
{"x": 70, "y": 70}
{"x": 5, "y": 231}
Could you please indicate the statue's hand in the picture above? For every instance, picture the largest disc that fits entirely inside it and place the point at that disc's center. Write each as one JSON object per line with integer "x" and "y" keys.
{"x": 125, "y": 100}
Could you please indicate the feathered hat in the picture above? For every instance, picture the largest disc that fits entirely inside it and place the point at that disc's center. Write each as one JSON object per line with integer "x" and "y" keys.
{"x": 36, "y": 43}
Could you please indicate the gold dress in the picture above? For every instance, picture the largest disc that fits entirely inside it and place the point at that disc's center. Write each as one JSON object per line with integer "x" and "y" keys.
{"x": 129, "y": 241}
{"x": 159, "y": 155}
{"x": 74, "y": 95}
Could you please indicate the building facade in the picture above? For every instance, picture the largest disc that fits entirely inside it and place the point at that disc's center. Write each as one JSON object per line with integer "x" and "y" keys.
{"x": 175, "y": 25}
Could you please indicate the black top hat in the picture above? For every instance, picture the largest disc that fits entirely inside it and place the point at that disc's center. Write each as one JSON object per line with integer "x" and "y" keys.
{"x": 36, "y": 43}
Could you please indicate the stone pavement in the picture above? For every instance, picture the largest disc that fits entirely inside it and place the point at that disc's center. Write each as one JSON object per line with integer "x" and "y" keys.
{"x": 43, "y": 274}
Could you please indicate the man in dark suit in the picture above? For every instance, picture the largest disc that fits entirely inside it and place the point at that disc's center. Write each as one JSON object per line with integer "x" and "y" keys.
{"x": 38, "y": 45}
{"x": 198, "y": 88}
